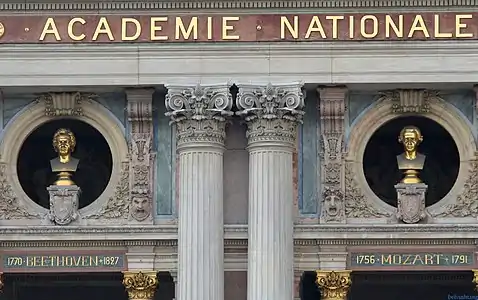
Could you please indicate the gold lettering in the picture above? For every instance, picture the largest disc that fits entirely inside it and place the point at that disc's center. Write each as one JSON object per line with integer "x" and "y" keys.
{"x": 293, "y": 29}
{"x": 94, "y": 261}
{"x": 459, "y": 26}
{"x": 351, "y": 27}
{"x": 390, "y": 24}
{"x": 124, "y": 29}
{"x": 155, "y": 28}
{"x": 103, "y": 27}
{"x": 226, "y": 28}
{"x": 315, "y": 26}
{"x": 30, "y": 262}
{"x": 192, "y": 28}
{"x": 209, "y": 28}
{"x": 397, "y": 259}
{"x": 418, "y": 258}
{"x": 437, "y": 33}
{"x": 50, "y": 28}
{"x": 363, "y": 26}
{"x": 68, "y": 261}
{"x": 418, "y": 25}
{"x": 335, "y": 25}
{"x": 386, "y": 259}
{"x": 406, "y": 259}
{"x": 428, "y": 259}
{"x": 71, "y": 33}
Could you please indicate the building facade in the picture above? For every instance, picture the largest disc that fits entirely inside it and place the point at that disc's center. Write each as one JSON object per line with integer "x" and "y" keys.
{"x": 238, "y": 149}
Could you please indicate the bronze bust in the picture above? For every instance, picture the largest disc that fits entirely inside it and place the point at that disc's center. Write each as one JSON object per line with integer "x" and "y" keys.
{"x": 410, "y": 161}
{"x": 65, "y": 165}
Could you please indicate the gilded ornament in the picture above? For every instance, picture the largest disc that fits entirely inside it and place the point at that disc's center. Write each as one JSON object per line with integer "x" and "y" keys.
{"x": 2, "y": 29}
{"x": 475, "y": 278}
{"x": 140, "y": 285}
{"x": 334, "y": 285}
{"x": 410, "y": 161}
{"x": 64, "y": 143}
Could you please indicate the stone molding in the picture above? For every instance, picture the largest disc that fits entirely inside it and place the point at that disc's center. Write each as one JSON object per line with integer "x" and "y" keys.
{"x": 226, "y": 5}
{"x": 112, "y": 200}
{"x": 362, "y": 204}
{"x": 331, "y": 63}
{"x": 199, "y": 113}
{"x": 271, "y": 112}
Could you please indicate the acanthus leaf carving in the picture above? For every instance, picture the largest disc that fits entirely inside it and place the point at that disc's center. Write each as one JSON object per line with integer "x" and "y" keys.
{"x": 199, "y": 112}
{"x": 466, "y": 204}
{"x": 10, "y": 207}
{"x": 271, "y": 112}
{"x": 117, "y": 206}
{"x": 140, "y": 118}
{"x": 65, "y": 103}
{"x": 356, "y": 205}
{"x": 332, "y": 116}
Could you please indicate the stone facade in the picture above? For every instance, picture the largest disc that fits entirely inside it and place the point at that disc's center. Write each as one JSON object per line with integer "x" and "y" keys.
{"x": 246, "y": 158}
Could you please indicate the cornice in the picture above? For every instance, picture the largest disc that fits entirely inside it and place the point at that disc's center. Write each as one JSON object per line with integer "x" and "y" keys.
{"x": 189, "y": 5}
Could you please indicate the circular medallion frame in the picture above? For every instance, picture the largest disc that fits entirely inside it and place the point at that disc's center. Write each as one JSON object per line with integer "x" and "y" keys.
{"x": 380, "y": 113}
{"x": 32, "y": 116}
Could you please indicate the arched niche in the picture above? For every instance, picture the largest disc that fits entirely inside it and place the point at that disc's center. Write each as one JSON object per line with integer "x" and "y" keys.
{"x": 380, "y": 113}
{"x": 31, "y": 117}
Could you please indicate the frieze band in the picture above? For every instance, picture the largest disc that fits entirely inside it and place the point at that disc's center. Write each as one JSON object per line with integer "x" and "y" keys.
{"x": 239, "y": 28}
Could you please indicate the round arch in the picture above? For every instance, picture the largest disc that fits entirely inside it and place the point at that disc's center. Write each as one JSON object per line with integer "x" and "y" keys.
{"x": 32, "y": 116}
{"x": 379, "y": 114}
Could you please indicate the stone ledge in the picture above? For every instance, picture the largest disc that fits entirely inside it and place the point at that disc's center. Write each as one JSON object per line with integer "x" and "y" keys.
{"x": 188, "y": 5}
{"x": 167, "y": 234}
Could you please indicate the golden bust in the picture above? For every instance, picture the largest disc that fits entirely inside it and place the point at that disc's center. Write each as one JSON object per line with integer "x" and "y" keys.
{"x": 64, "y": 143}
{"x": 410, "y": 161}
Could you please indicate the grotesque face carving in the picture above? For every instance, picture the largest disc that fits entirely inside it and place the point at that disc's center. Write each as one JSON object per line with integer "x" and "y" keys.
{"x": 333, "y": 205}
{"x": 140, "y": 208}
{"x": 410, "y": 137}
{"x": 64, "y": 141}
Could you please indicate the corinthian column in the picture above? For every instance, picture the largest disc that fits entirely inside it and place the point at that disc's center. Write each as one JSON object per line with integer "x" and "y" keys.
{"x": 272, "y": 114}
{"x": 140, "y": 285}
{"x": 333, "y": 285}
{"x": 199, "y": 114}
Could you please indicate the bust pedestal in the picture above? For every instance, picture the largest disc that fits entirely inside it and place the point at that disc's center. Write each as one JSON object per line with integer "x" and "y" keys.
{"x": 64, "y": 203}
{"x": 411, "y": 202}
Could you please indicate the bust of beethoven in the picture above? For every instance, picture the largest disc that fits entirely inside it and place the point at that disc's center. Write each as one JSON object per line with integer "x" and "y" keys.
{"x": 64, "y": 143}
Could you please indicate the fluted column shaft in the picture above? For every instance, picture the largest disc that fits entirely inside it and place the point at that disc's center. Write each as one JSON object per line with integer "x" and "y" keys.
{"x": 198, "y": 113}
{"x": 272, "y": 115}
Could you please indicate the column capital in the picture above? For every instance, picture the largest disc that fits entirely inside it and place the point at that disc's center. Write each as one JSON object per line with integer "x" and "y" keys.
{"x": 475, "y": 278}
{"x": 199, "y": 112}
{"x": 271, "y": 111}
{"x": 334, "y": 285}
{"x": 140, "y": 285}
{"x": 139, "y": 94}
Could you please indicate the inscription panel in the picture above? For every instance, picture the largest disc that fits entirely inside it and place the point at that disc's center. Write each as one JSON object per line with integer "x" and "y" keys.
{"x": 412, "y": 260}
{"x": 72, "y": 262}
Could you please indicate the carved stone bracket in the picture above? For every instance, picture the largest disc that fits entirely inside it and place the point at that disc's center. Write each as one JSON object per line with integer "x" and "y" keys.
{"x": 64, "y": 104}
{"x": 64, "y": 204}
{"x": 140, "y": 118}
{"x": 411, "y": 202}
{"x": 140, "y": 285}
{"x": 409, "y": 101}
{"x": 332, "y": 112}
{"x": 334, "y": 285}
{"x": 271, "y": 112}
{"x": 199, "y": 112}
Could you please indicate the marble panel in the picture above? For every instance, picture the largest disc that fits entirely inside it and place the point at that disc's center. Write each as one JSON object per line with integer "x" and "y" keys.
{"x": 235, "y": 285}
{"x": 236, "y": 174}
{"x": 308, "y": 167}
{"x": 115, "y": 103}
{"x": 13, "y": 103}
{"x": 165, "y": 165}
